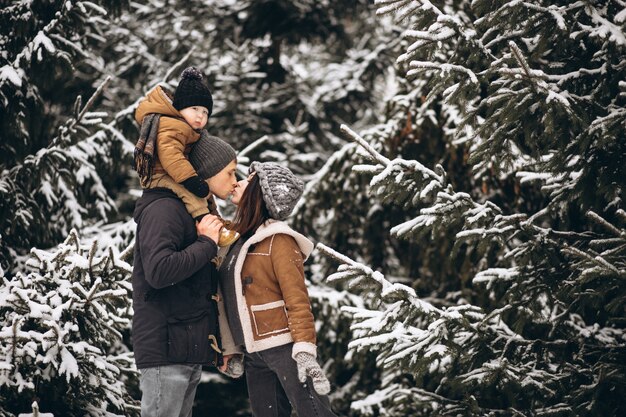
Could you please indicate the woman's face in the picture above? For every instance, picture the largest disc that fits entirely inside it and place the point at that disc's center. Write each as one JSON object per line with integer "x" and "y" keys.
{"x": 224, "y": 182}
{"x": 241, "y": 187}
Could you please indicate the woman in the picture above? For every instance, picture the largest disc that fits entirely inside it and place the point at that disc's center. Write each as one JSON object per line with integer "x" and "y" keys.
{"x": 266, "y": 300}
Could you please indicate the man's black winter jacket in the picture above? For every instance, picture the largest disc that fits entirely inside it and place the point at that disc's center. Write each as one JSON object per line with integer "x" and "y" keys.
{"x": 173, "y": 284}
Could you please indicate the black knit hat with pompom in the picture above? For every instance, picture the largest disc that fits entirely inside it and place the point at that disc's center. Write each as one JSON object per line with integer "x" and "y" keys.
{"x": 192, "y": 91}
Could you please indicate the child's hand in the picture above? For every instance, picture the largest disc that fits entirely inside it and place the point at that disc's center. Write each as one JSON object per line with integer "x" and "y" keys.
{"x": 224, "y": 366}
{"x": 210, "y": 226}
{"x": 233, "y": 365}
{"x": 196, "y": 186}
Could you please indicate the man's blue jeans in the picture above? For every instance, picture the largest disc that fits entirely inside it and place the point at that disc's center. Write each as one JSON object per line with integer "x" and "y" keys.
{"x": 169, "y": 390}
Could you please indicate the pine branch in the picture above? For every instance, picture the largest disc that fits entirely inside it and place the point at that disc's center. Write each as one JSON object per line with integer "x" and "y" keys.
{"x": 350, "y": 134}
{"x": 519, "y": 56}
{"x": 175, "y": 69}
{"x": 605, "y": 224}
{"x": 30, "y": 47}
{"x": 387, "y": 289}
{"x": 420, "y": 66}
{"x": 91, "y": 101}
{"x": 595, "y": 259}
{"x": 386, "y": 7}
{"x": 242, "y": 153}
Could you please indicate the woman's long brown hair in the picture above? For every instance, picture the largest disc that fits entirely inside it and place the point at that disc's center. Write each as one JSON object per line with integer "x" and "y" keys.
{"x": 251, "y": 211}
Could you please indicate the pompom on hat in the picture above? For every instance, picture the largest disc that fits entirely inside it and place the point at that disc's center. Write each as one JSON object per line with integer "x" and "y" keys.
{"x": 280, "y": 187}
{"x": 192, "y": 91}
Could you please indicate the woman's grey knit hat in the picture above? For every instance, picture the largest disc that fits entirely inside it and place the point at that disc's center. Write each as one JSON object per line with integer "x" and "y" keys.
{"x": 280, "y": 187}
{"x": 210, "y": 154}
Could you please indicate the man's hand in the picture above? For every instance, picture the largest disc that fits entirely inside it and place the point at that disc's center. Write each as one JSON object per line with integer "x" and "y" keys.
{"x": 210, "y": 226}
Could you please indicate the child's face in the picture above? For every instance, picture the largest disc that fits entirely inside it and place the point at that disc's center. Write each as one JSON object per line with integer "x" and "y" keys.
{"x": 196, "y": 116}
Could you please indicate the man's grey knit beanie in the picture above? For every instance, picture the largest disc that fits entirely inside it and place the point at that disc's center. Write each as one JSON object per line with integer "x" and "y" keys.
{"x": 210, "y": 154}
{"x": 281, "y": 188}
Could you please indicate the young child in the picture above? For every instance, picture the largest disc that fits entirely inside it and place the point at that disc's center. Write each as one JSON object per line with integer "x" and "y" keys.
{"x": 170, "y": 125}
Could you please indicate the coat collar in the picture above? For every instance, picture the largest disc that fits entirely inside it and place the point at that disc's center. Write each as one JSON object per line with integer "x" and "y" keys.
{"x": 274, "y": 227}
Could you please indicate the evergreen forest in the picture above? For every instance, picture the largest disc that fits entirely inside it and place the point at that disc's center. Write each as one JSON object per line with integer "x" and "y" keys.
{"x": 465, "y": 183}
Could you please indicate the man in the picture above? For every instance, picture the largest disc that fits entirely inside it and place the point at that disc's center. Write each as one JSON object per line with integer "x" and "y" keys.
{"x": 175, "y": 324}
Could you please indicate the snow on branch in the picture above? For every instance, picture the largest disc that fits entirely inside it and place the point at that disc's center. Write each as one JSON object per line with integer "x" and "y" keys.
{"x": 604, "y": 28}
{"x": 358, "y": 139}
{"x": 80, "y": 118}
{"x": 417, "y": 181}
{"x": 536, "y": 78}
{"x": 419, "y": 66}
{"x": 614, "y": 118}
{"x": 596, "y": 260}
{"x": 423, "y": 38}
{"x": 388, "y": 291}
{"x": 605, "y": 224}
{"x": 242, "y": 155}
{"x": 400, "y": 8}
{"x": 13, "y": 72}
{"x": 92, "y": 100}
{"x": 403, "y": 8}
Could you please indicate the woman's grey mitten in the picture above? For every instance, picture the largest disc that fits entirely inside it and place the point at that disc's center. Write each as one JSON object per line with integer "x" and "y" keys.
{"x": 308, "y": 366}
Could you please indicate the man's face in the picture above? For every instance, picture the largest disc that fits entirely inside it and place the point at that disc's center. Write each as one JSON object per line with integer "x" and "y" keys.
{"x": 224, "y": 182}
{"x": 241, "y": 187}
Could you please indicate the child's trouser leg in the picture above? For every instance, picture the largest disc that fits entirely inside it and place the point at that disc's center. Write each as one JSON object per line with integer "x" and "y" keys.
{"x": 196, "y": 206}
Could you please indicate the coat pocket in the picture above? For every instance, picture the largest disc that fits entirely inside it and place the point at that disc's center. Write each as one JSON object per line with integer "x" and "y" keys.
{"x": 188, "y": 337}
{"x": 270, "y": 318}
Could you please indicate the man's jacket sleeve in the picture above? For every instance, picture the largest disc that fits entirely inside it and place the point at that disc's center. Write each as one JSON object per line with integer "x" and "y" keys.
{"x": 160, "y": 239}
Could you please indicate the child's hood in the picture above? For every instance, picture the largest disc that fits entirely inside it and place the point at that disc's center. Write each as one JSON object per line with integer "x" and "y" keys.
{"x": 158, "y": 100}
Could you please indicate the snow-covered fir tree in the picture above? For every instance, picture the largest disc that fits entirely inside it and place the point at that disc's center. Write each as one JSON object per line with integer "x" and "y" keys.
{"x": 499, "y": 140}
{"x": 54, "y": 142}
{"x": 518, "y": 212}
{"x": 63, "y": 319}
{"x": 64, "y": 313}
